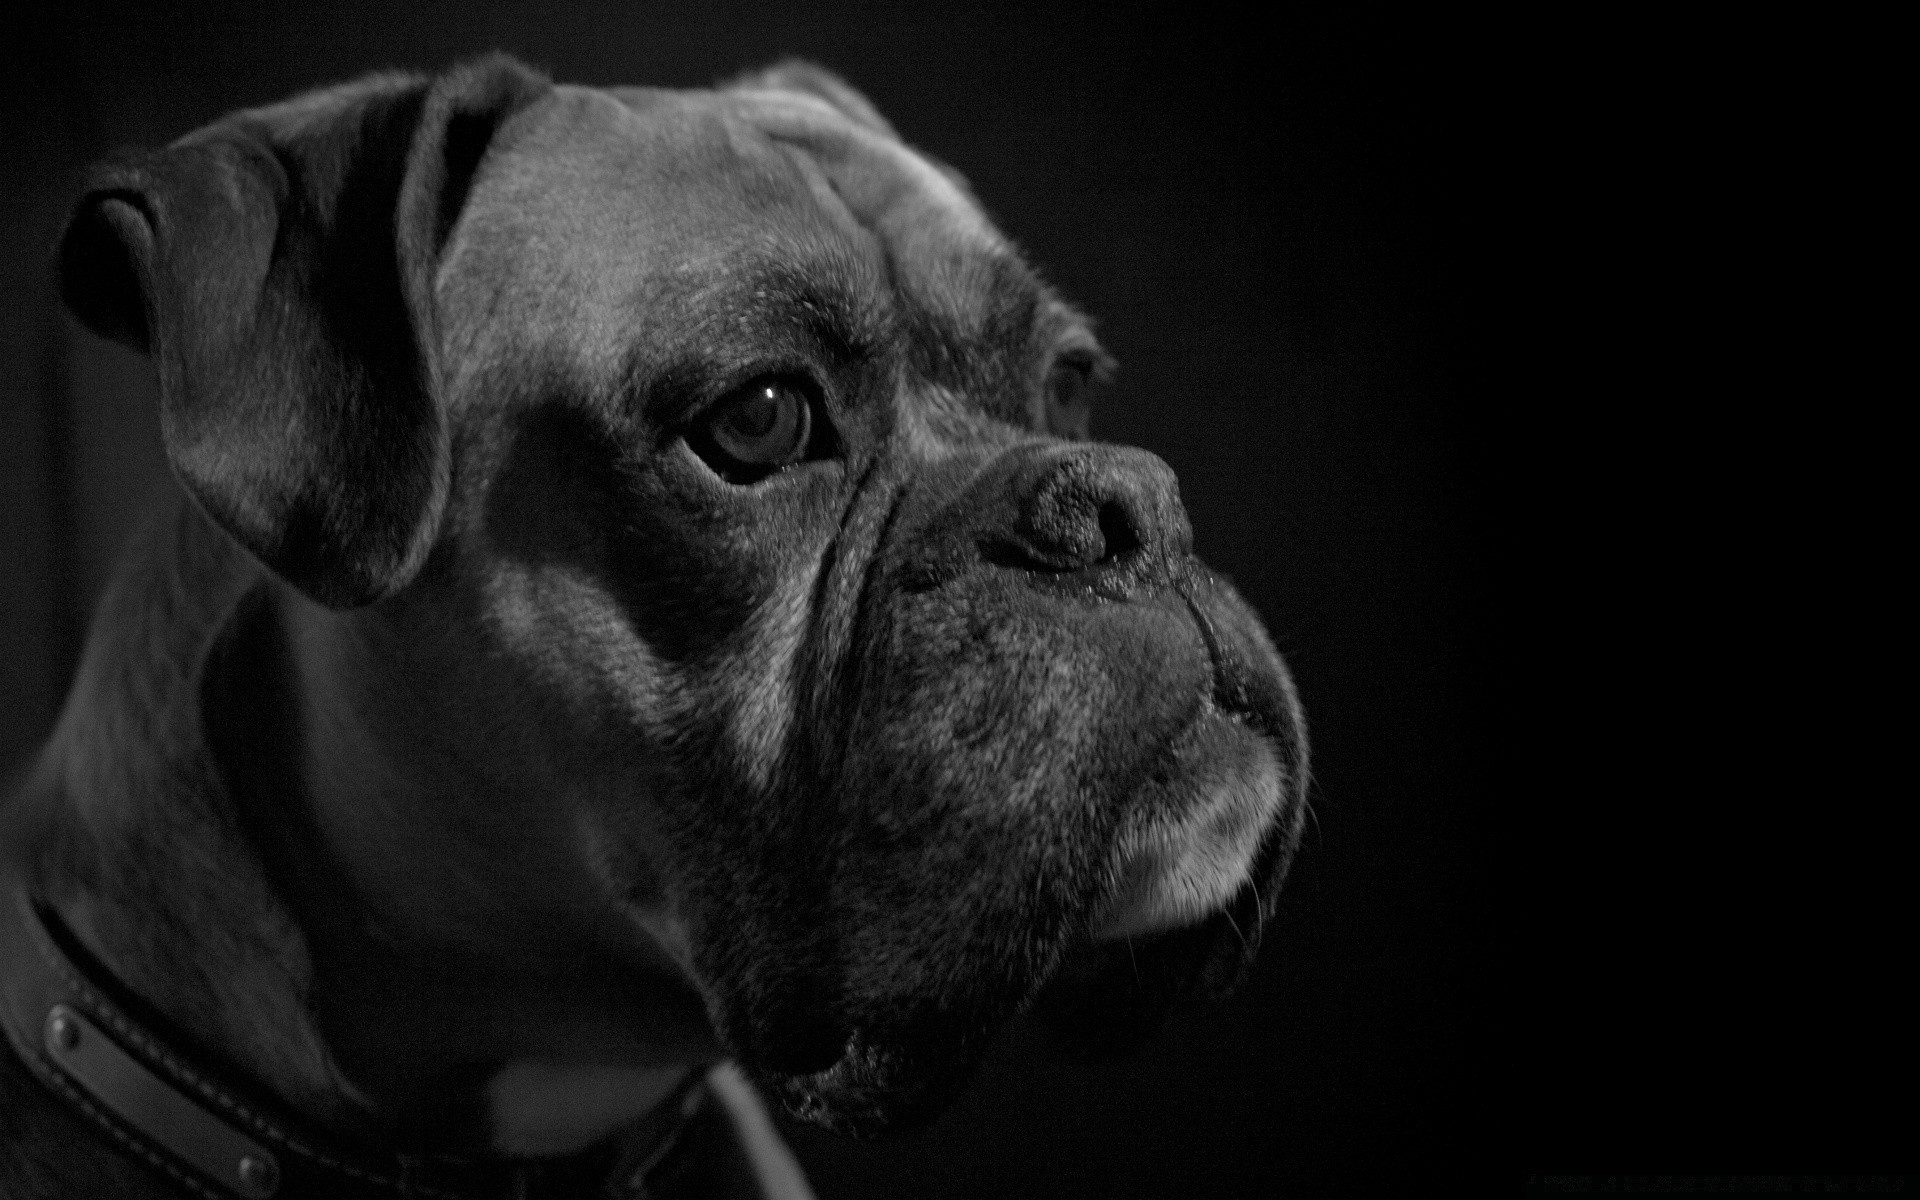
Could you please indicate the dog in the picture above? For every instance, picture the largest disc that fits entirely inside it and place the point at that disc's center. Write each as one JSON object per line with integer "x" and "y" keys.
{"x": 644, "y": 627}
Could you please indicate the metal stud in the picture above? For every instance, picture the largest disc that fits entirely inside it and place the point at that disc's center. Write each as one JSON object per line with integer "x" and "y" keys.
{"x": 259, "y": 1176}
{"x": 63, "y": 1030}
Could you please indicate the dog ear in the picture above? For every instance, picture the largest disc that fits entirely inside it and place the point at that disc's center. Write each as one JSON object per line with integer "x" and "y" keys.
{"x": 278, "y": 266}
{"x": 811, "y": 79}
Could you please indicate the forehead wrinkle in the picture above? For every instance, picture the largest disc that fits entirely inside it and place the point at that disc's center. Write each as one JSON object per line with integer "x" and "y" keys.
{"x": 733, "y": 310}
{"x": 857, "y": 249}
{"x": 850, "y": 322}
{"x": 939, "y": 247}
{"x": 885, "y": 183}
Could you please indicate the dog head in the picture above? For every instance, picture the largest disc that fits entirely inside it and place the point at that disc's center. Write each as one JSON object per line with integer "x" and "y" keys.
{"x": 700, "y": 487}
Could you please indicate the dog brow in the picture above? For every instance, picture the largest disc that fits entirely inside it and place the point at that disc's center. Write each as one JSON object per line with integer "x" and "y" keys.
{"x": 820, "y": 296}
{"x": 723, "y": 317}
{"x": 991, "y": 342}
{"x": 844, "y": 326}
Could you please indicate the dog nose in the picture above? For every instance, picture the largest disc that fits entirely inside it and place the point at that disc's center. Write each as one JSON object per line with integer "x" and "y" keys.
{"x": 1086, "y": 506}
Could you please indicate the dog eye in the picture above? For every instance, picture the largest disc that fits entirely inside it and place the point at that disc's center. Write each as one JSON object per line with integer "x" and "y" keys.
{"x": 1069, "y": 389}
{"x": 755, "y": 430}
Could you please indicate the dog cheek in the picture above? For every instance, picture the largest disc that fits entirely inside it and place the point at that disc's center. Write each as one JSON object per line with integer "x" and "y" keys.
{"x": 568, "y": 639}
{"x": 1024, "y": 702}
{"x": 994, "y": 764}
{"x": 758, "y": 674}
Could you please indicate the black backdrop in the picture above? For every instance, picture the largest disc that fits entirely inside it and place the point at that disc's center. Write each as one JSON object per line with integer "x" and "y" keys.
{"x": 1273, "y": 224}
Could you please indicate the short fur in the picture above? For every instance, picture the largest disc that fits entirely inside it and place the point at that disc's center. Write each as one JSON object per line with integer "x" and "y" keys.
{"x": 465, "y": 718}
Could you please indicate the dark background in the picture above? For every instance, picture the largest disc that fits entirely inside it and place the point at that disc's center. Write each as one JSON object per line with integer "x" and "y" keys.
{"x": 1383, "y": 292}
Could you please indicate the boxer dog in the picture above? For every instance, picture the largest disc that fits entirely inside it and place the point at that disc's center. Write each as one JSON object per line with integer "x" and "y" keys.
{"x": 644, "y": 623}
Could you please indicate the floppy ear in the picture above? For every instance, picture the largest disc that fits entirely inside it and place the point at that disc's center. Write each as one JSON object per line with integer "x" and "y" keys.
{"x": 278, "y": 266}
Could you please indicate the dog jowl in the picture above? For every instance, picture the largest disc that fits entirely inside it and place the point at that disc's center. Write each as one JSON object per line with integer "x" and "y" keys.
{"x": 649, "y": 595}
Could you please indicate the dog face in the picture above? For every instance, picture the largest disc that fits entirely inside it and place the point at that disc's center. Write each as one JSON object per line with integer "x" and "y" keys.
{"x": 726, "y": 492}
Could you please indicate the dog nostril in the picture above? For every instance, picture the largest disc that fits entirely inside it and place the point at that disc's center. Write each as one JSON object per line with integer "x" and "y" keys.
{"x": 1117, "y": 533}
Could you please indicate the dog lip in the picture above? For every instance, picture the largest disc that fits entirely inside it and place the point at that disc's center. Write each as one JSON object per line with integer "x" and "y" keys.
{"x": 1237, "y": 690}
{"x": 1195, "y": 863}
{"x": 1229, "y": 689}
{"x": 1183, "y": 873}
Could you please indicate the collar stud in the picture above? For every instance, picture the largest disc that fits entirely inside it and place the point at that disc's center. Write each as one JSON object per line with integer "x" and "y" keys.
{"x": 63, "y": 1032}
{"x": 258, "y": 1176}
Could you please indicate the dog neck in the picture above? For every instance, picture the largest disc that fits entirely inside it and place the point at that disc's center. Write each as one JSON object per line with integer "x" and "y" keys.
{"x": 178, "y": 825}
{"x": 125, "y": 831}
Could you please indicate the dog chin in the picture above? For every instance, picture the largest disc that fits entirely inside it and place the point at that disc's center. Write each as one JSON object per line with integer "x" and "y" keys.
{"x": 1109, "y": 991}
{"x": 1188, "y": 916}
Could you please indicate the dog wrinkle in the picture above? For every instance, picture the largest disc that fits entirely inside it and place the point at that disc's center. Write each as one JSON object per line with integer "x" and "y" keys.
{"x": 763, "y": 682}
{"x": 799, "y": 76}
{"x": 883, "y": 181}
{"x": 833, "y": 606}
{"x": 945, "y": 257}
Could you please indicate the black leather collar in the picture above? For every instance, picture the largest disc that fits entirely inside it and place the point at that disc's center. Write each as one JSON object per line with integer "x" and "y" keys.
{"x": 153, "y": 1101}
